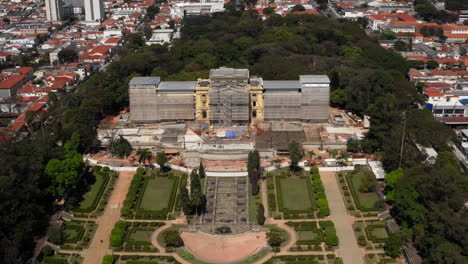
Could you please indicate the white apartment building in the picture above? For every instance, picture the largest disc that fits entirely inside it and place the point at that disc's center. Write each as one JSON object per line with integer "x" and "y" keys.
{"x": 199, "y": 8}
{"x": 54, "y": 10}
{"x": 94, "y": 10}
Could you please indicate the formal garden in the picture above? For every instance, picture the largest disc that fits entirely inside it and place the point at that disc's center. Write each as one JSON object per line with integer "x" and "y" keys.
{"x": 152, "y": 194}
{"x": 371, "y": 234}
{"x": 314, "y": 236}
{"x": 48, "y": 256}
{"x": 359, "y": 190}
{"x": 291, "y": 195}
{"x": 75, "y": 234}
{"x": 133, "y": 236}
{"x": 95, "y": 199}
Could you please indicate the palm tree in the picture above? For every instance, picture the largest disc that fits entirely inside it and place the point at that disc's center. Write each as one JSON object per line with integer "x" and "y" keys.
{"x": 144, "y": 155}
{"x": 310, "y": 154}
{"x": 342, "y": 159}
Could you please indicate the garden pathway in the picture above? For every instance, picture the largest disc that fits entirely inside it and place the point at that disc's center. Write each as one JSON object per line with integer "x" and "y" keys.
{"x": 99, "y": 246}
{"x": 264, "y": 196}
{"x": 348, "y": 249}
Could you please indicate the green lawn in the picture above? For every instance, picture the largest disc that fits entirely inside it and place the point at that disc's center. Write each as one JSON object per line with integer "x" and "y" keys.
{"x": 379, "y": 232}
{"x": 295, "y": 194}
{"x": 70, "y": 235}
{"x": 93, "y": 193}
{"x": 366, "y": 200}
{"x": 141, "y": 235}
{"x": 157, "y": 194}
{"x": 307, "y": 235}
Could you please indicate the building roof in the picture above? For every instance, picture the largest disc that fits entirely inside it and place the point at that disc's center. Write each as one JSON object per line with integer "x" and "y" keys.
{"x": 281, "y": 84}
{"x": 229, "y": 73}
{"x": 377, "y": 169}
{"x": 314, "y": 79}
{"x": 135, "y": 81}
{"x": 182, "y": 85}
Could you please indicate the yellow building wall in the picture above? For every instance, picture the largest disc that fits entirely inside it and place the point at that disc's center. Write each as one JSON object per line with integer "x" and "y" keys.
{"x": 256, "y": 103}
{"x": 202, "y": 103}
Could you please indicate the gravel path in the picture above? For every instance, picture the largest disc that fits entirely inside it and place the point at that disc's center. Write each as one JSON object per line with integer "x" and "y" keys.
{"x": 99, "y": 246}
{"x": 348, "y": 248}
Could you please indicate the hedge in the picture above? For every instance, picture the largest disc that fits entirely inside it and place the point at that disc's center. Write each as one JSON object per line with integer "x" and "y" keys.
{"x": 320, "y": 197}
{"x": 108, "y": 259}
{"x": 54, "y": 260}
{"x": 118, "y": 233}
{"x": 132, "y": 192}
{"x": 330, "y": 233}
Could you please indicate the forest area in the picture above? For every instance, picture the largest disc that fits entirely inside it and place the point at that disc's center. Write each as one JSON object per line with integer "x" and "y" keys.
{"x": 365, "y": 79}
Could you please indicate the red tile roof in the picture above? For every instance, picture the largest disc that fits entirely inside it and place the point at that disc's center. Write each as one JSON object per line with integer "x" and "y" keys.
{"x": 11, "y": 81}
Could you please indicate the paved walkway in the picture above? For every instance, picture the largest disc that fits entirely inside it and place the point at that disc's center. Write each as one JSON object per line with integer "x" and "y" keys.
{"x": 264, "y": 197}
{"x": 348, "y": 249}
{"x": 99, "y": 246}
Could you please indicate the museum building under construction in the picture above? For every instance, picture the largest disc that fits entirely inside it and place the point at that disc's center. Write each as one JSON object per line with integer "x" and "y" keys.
{"x": 230, "y": 97}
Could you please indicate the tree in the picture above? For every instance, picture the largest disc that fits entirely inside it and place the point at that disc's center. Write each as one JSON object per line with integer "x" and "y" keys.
{"x": 48, "y": 251}
{"x": 253, "y": 164}
{"x": 448, "y": 253}
{"x": 391, "y": 180}
{"x": 339, "y": 98}
{"x": 432, "y": 64}
{"x": 393, "y": 245}
{"x": 144, "y": 155}
{"x": 254, "y": 184}
{"x": 172, "y": 238}
{"x": 55, "y": 235}
{"x": 268, "y": 10}
{"x": 353, "y": 145}
{"x": 64, "y": 173}
{"x": 201, "y": 171}
{"x": 311, "y": 154}
{"x": 151, "y": 12}
{"x": 367, "y": 182}
{"x": 197, "y": 200}
{"x": 401, "y": 46}
{"x": 121, "y": 148}
{"x": 161, "y": 160}
{"x": 389, "y": 35}
{"x": 67, "y": 56}
{"x": 274, "y": 238}
{"x": 296, "y": 153}
{"x": 185, "y": 202}
{"x": 194, "y": 181}
{"x": 260, "y": 214}
{"x": 342, "y": 159}
{"x": 297, "y": 8}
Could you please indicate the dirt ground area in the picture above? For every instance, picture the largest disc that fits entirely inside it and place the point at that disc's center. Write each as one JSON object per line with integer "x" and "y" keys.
{"x": 219, "y": 249}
